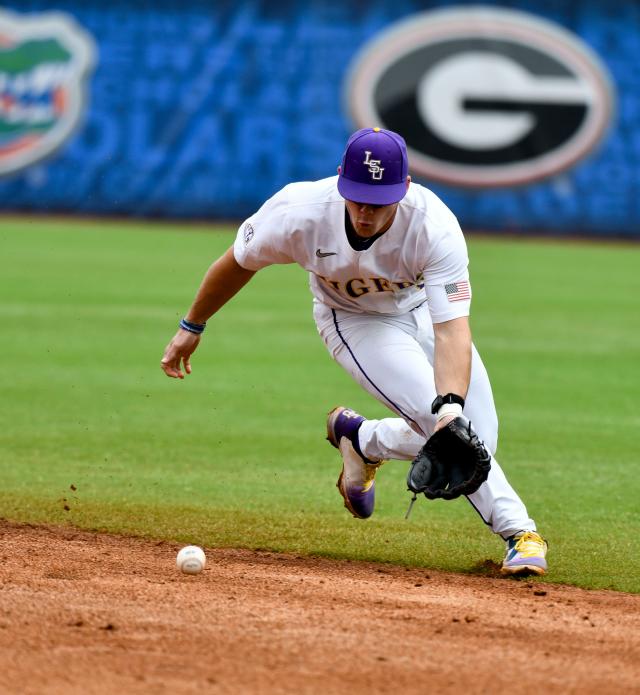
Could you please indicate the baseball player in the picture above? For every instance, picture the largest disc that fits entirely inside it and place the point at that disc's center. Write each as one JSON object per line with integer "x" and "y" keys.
{"x": 388, "y": 270}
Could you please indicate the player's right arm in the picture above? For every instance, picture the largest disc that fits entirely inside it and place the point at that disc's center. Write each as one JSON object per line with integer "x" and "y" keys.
{"x": 222, "y": 281}
{"x": 262, "y": 240}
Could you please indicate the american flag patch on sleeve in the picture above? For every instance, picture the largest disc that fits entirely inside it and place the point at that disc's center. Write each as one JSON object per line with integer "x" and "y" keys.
{"x": 457, "y": 291}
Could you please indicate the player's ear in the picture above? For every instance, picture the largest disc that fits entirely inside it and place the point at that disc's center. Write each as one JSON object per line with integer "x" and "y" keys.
{"x": 339, "y": 169}
{"x": 408, "y": 182}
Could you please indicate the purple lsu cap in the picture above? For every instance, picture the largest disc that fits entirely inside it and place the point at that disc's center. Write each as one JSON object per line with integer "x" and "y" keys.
{"x": 374, "y": 167}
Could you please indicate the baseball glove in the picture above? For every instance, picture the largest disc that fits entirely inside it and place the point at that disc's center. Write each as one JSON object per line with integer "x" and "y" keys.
{"x": 453, "y": 462}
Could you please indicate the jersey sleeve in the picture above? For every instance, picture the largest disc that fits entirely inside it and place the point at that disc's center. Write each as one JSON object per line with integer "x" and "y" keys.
{"x": 446, "y": 274}
{"x": 263, "y": 239}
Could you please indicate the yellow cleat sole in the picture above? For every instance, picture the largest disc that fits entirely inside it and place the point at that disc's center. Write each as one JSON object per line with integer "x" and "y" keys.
{"x": 522, "y": 571}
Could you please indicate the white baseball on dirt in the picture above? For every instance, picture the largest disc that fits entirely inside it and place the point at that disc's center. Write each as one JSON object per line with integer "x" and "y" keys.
{"x": 191, "y": 559}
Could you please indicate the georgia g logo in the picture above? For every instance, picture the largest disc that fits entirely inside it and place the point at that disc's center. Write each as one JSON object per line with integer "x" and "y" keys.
{"x": 483, "y": 96}
{"x": 44, "y": 63}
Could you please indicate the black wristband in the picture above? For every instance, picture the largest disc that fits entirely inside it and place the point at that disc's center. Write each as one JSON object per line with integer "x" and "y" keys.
{"x": 439, "y": 401}
{"x": 196, "y": 328}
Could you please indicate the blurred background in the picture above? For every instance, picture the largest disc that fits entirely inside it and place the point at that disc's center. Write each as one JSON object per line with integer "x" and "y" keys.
{"x": 521, "y": 115}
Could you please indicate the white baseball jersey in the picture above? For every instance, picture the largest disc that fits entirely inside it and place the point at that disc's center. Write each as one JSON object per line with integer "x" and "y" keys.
{"x": 422, "y": 255}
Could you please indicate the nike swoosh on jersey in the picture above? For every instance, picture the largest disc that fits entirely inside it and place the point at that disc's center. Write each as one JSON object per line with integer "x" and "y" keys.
{"x": 323, "y": 254}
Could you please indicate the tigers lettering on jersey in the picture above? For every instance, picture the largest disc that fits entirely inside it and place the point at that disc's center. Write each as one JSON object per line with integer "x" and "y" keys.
{"x": 357, "y": 287}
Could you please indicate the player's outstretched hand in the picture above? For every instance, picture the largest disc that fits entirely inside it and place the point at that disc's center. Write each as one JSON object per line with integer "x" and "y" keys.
{"x": 178, "y": 353}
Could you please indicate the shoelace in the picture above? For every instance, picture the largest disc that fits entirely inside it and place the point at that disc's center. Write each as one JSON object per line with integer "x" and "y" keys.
{"x": 370, "y": 472}
{"x": 529, "y": 544}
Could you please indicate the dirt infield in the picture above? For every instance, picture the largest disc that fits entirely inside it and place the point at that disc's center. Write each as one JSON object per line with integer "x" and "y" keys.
{"x": 93, "y": 613}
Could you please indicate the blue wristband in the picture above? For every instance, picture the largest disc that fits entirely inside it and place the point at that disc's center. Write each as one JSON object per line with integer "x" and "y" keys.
{"x": 196, "y": 328}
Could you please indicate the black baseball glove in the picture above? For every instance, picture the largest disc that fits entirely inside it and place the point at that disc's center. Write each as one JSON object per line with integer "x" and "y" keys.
{"x": 453, "y": 462}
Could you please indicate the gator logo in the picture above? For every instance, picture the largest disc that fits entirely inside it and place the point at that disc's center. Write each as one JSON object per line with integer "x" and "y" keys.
{"x": 45, "y": 60}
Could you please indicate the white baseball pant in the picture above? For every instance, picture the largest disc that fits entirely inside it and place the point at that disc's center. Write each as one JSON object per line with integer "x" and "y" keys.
{"x": 391, "y": 357}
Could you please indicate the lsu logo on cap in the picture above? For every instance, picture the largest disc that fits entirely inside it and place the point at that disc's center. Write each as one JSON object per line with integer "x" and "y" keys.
{"x": 45, "y": 60}
{"x": 484, "y": 96}
{"x": 374, "y": 166}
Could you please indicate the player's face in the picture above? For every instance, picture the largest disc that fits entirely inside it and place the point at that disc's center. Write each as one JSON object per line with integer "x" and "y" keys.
{"x": 368, "y": 220}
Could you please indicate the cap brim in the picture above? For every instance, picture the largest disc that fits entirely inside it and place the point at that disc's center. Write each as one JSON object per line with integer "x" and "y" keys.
{"x": 371, "y": 194}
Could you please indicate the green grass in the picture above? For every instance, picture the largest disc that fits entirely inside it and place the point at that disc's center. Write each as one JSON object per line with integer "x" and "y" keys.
{"x": 235, "y": 455}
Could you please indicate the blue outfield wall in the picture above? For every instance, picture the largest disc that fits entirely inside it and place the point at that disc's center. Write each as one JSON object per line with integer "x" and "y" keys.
{"x": 205, "y": 109}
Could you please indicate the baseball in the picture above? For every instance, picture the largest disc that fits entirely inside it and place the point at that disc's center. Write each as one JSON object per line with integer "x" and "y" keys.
{"x": 191, "y": 559}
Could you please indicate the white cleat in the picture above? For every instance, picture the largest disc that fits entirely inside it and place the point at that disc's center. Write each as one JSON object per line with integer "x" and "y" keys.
{"x": 356, "y": 482}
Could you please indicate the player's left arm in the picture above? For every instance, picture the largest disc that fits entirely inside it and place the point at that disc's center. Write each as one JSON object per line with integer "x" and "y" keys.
{"x": 448, "y": 291}
{"x": 452, "y": 359}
